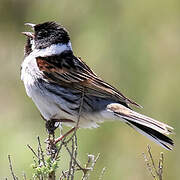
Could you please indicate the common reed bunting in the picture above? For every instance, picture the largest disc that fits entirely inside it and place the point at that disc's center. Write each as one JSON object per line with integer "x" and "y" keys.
{"x": 56, "y": 80}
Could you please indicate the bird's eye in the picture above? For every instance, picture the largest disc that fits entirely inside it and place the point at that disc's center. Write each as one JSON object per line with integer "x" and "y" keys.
{"x": 40, "y": 34}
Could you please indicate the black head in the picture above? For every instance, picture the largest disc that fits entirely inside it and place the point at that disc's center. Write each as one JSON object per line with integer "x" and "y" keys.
{"x": 48, "y": 33}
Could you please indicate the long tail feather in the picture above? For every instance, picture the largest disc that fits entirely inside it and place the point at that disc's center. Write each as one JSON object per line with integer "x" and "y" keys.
{"x": 154, "y": 135}
{"x": 147, "y": 126}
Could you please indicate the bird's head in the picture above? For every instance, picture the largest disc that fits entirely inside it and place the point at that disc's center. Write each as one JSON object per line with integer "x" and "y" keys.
{"x": 47, "y": 35}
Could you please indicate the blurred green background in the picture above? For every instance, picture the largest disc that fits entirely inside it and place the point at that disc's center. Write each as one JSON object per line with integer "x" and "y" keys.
{"x": 134, "y": 45}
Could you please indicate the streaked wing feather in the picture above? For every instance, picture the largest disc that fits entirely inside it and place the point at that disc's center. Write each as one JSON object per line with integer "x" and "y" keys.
{"x": 77, "y": 75}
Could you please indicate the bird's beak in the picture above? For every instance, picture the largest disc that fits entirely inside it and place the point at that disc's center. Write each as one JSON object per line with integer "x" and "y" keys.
{"x": 30, "y": 24}
{"x": 28, "y": 34}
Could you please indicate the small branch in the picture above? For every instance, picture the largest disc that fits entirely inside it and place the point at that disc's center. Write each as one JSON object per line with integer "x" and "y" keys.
{"x": 41, "y": 151}
{"x": 11, "y": 168}
{"x": 71, "y": 163}
{"x": 24, "y": 176}
{"x": 152, "y": 160}
{"x": 72, "y": 157}
{"x": 52, "y": 176}
{"x": 90, "y": 165}
{"x": 156, "y": 174}
{"x": 148, "y": 165}
{"x": 94, "y": 162}
{"x": 62, "y": 176}
{"x": 59, "y": 149}
{"x": 161, "y": 161}
{"x": 80, "y": 108}
{"x": 102, "y": 173}
{"x": 75, "y": 151}
{"x": 79, "y": 115}
{"x": 32, "y": 151}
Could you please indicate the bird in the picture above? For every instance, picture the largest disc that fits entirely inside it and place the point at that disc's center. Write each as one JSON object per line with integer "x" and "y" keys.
{"x": 65, "y": 89}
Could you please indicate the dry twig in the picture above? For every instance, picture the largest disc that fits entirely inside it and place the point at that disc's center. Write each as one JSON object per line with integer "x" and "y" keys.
{"x": 156, "y": 174}
{"x": 102, "y": 173}
{"x": 11, "y": 168}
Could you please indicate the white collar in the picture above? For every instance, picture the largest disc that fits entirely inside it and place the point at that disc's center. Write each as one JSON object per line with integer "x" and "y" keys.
{"x": 54, "y": 49}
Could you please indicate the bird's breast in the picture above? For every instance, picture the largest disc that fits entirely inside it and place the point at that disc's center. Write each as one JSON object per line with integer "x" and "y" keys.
{"x": 57, "y": 102}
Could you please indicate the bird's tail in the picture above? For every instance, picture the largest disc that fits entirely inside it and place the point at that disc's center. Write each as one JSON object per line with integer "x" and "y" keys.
{"x": 147, "y": 126}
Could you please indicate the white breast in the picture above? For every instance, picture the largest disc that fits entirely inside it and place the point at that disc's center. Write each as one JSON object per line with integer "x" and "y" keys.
{"x": 43, "y": 100}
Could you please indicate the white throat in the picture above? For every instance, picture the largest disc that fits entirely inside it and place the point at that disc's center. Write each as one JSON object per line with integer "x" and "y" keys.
{"x": 54, "y": 49}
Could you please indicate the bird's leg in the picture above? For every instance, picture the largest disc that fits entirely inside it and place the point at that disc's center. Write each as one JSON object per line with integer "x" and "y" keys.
{"x": 65, "y": 135}
{"x": 51, "y": 148}
{"x": 50, "y": 126}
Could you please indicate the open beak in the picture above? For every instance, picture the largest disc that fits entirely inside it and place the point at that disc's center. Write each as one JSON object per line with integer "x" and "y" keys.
{"x": 28, "y": 34}
{"x": 30, "y": 24}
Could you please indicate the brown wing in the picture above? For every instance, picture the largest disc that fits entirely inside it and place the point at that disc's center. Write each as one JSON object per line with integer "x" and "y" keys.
{"x": 70, "y": 71}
